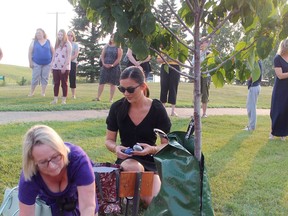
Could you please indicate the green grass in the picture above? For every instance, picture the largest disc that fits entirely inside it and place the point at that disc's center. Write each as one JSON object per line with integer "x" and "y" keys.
{"x": 247, "y": 172}
{"x": 14, "y": 97}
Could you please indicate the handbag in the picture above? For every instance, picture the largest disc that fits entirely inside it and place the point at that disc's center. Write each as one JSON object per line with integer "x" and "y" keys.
{"x": 10, "y": 204}
{"x": 107, "y": 178}
{"x": 184, "y": 188}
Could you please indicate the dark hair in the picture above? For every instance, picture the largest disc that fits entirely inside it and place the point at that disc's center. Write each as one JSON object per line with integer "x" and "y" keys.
{"x": 137, "y": 74}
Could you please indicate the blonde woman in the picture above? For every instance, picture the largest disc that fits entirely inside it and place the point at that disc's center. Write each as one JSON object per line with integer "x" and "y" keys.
{"x": 40, "y": 56}
{"x": 74, "y": 56}
{"x": 279, "y": 100}
{"x": 61, "y": 65}
{"x": 59, "y": 173}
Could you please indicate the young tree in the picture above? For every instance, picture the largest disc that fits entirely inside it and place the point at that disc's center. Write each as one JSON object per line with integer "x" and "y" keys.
{"x": 139, "y": 25}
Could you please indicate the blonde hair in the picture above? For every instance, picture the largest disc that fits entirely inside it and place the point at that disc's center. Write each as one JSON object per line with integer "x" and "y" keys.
{"x": 73, "y": 34}
{"x": 64, "y": 41}
{"x": 40, "y": 135}
{"x": 44, "y": 33}
{"x": 283, "y": 47}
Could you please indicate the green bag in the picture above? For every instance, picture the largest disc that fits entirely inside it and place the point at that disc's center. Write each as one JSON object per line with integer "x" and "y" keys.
{"x": 185, "y": 188}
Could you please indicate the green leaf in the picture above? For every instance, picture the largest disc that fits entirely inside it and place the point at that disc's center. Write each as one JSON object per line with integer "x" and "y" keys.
{"x": 140, "y": 48}
{"x": 123, "y": 24}
{"x": 218, "y": 79}
{"x": 148, "y": 23}
{"x": 264, "y": 46}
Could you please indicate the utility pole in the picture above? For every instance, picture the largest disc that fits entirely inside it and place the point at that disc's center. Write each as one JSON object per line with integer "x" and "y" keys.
{"x": 57, "y": 13}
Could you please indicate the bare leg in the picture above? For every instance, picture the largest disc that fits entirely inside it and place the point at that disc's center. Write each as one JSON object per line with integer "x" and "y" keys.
{"x": 73, "y": 91}
{"x": 100, "y": 90}
{"x": 112, "y": 92}
{"x": 43, "y": 90}
{"x": 204, "y": 108}
{"x": 32, "y": 91}
{"x": 173, "y": 113}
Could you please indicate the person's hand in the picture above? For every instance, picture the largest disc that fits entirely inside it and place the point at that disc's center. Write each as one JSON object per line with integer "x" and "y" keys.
{"x": 31, "y": 65}
{"x": 63, "y": 70}
{"x": 147, "y": 150}
{"x": 119, "y": 152}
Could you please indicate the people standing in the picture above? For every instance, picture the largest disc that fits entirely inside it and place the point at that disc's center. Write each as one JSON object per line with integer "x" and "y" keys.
{"x": 254, "y": 88}
{"x": 135, "y": 116}
{"x": 59, "y": 172}
{"x": 169, "y": 81}
{"x": 279, "y": 100}
{"x": 74, "y": 56}
{"x": 133, "y": 61}
{"x": 40, "y": 57}
{"x": 61, "y": 66}
{"x": 110, "y": 70}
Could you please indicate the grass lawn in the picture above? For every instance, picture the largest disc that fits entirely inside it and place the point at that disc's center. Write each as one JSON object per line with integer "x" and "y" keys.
{"x": 247, "y": 172}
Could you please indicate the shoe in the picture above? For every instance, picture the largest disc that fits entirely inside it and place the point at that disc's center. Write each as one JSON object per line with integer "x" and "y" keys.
{"x": 204, "y": 116}
{"x": 63, "y": 102}
{"x": 30, "y": 95}
{"x": 53, "y": 102}
{"x": 111, "y": 101}
{"x": 283, "y": 138}
{"x": 246, "y": 128}
{"x": 271, "y": 137}
{"x": 74, "y": 97}
{"x": 174, "y": 114}
{"x": 96, "y": 99}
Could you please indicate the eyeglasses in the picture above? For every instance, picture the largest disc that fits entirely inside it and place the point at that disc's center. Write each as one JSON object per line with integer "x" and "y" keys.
{"x": 130, "y": 90}
{"x": 54, "y": 159}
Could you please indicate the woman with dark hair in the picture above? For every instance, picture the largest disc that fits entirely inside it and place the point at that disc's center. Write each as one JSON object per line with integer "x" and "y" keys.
{"x": 110, "y": 70}
{"x": 134, "y": 117}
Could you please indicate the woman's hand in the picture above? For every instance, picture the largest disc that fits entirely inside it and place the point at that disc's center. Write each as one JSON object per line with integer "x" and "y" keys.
{"x": 147, "y": 150}
{"x": 119, "y": 152}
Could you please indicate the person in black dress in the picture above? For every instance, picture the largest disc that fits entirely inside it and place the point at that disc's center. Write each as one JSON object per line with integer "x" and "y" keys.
{"x": 134, "y": 117}
{"x": 133, "y": 61}
{"x": 279, "y": 101}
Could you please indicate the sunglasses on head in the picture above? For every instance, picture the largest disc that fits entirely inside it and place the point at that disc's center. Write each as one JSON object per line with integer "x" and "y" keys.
{"x": 129, "y": 89}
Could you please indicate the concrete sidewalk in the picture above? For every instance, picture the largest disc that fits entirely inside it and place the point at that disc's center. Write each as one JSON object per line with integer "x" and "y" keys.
{"x": 78, "y": 115}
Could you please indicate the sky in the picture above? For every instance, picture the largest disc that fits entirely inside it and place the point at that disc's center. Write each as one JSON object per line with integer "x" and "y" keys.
{"x": 19, "y": 20}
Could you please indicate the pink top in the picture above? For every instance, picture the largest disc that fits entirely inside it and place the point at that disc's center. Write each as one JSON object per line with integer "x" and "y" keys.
{"x": 61, "y": 55}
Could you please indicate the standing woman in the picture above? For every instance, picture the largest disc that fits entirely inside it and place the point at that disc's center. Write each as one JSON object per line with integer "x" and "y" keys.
{"x": 110, "y": 71}
{"x": 40, "y": 56}
{"x": 74, "y": 55}
{"x": 134, "y": 117}
{"x": 133, "y": 61}
{"x": 61, "y": 66}
{"x": 169, "y": 81}
{"x": 279, "y": 101}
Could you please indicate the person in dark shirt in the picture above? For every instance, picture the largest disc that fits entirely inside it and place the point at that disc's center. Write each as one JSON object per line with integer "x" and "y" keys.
{"x": 135, "y": 116}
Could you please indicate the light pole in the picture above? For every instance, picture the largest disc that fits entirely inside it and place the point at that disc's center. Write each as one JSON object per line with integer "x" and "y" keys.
{"x": 57, "y": 20}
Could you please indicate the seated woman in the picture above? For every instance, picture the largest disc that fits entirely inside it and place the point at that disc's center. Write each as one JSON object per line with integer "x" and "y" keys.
{"x": 59, "y": 173}
{"x": 135, "y": 116}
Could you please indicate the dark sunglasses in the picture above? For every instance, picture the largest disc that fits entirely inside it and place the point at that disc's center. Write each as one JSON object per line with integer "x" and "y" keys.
{"x": 130, "y": 90}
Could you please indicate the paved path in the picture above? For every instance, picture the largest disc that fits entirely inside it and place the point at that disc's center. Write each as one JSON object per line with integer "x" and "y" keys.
{"x": 13, "y": 117}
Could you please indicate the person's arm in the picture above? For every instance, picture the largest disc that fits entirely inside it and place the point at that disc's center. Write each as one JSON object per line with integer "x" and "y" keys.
{"x": 1, "y": 54}
{"x": 86, "y": 197}
{"x": 68, "y": 57}
{"x": 26, "y": 210}
{"x": 279, "y": 73}
{"x": 76, "y": 53}
{"x": 131, "y": 57}
{"x": 119, "y": 57}
{"x": 112, "y": 146}
{"x": 147, "y": 59}
{"x": 30, "y": 52}
{"x": 52, "y": 52}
